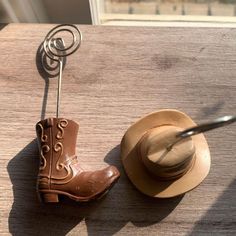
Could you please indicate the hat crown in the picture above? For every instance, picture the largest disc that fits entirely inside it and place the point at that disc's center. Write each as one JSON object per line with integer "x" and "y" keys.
{"x": 161, "y": 162}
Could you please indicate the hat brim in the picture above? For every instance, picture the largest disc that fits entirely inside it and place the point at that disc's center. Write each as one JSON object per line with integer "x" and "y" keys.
{"x": 137, "y": 172}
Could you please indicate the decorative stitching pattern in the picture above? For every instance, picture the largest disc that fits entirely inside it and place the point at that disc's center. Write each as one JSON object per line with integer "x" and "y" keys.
{"x": 44, "y": 149}
{"x": 58, "y": 147}
{"x": 43, "y": 162}
{"x": 44, "y": 137}
{"x": 61, "y": 125}
{"x": 69, "y": 172}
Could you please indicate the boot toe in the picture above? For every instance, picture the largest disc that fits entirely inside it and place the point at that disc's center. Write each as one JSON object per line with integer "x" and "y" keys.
{"x": 108, "y": 178}
{"x": 111, "y": 172}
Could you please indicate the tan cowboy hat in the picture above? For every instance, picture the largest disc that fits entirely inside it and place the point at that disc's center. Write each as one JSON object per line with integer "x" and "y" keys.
{"x": 155, "y": 169}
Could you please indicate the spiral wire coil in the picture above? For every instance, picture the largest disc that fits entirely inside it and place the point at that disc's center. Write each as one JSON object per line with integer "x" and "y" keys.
{"x": 56, "y": 49}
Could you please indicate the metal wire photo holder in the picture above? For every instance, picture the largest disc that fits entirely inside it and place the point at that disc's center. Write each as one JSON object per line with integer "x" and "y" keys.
{"x": 55, "y": 48}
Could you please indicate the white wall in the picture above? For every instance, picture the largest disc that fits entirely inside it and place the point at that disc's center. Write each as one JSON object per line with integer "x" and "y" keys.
{"x": 45, "y": 11}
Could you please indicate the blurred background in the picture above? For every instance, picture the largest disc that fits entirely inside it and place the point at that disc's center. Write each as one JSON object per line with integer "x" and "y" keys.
{"x": 117, "y": 12}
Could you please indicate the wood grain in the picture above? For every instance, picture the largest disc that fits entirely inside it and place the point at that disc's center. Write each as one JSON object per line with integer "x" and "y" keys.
{"x": 118, "y": 75}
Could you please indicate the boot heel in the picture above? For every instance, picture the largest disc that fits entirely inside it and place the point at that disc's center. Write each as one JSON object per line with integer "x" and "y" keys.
{"x": 49, "y": 197}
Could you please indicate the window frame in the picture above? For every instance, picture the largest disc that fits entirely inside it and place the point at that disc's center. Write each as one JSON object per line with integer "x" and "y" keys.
{"x": 102, "y": 18}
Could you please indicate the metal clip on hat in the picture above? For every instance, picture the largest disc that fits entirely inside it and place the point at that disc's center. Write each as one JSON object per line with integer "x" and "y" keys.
{"x": 164, "y": 154}
{"x": 60, "y": 172}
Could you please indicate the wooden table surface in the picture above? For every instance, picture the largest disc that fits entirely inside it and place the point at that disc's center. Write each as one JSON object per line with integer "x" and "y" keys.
{"x": 118, "y": 75}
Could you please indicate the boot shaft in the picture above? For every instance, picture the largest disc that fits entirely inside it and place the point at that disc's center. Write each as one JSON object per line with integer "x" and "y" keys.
{"x": 57, "y": 143}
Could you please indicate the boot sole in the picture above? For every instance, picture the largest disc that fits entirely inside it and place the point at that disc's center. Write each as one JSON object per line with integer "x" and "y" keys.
{"x": 51, "y": 196}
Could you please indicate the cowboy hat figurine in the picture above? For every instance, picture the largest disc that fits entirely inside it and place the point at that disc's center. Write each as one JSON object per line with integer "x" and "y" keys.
{"x": 161, "y": 156}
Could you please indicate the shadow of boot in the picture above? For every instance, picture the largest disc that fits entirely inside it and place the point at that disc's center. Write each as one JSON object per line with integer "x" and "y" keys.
{"x": 28, "y": 215}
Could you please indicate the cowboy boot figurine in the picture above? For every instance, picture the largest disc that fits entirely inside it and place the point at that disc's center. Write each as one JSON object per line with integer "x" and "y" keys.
{"x": 60, "y": 172}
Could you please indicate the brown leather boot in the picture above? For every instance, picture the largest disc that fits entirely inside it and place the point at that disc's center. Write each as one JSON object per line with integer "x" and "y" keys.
{"x": 60, "y": 172}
